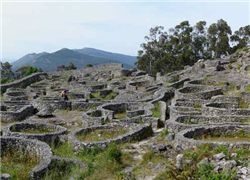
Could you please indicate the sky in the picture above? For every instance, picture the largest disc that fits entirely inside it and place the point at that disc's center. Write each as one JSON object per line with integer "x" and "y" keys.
{"x": 36, "y": 26}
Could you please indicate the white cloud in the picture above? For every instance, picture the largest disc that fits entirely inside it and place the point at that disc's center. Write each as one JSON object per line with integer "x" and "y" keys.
{"x": 119, "y": 27}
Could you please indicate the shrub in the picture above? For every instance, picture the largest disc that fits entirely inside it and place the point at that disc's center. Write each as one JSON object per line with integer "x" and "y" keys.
{"x": 114, "y": 153}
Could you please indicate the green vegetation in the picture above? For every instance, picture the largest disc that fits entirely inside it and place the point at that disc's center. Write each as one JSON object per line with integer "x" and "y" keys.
{"x": 62, "y": 170}
{"x": 120, "y": 115}
{"x": 38, "y": 130}
{"x": 167, "y": 51}
{"x": 232, "y": 90}
{"x": 247, "y": 88}
{"x": 101, "y": 134}
{"x": 189, "y": 121}
{"x": 71, "y": 66}
{"x": 146, "y": 167}
{"x": 236, "y": 136}
{"x": 239, "y": 66}
{"x": 110, "y": 96}
{"x": 6, "y": 80}
{"x": 161, "y": 138}
{"x": 204, "y": 172}
{"x": 7, "y": 74}
{"x": 18, "y": 164}
{"x": 217, "y": 84}
{"x": 245, "y": 121}
{"x": 156, "y": 110}
{"x": 101, "y": 164}
{"x": 197, "y": 105}
{"x": 89, "y": 65}
{"x": 244, "y": 104}
{"x": 28, "y": 70}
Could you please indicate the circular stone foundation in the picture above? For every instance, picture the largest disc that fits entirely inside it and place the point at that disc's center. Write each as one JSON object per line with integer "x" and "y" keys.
{"x": 44, "y": 132}
{"x": 220, "y": 109}
{"x": 101, "y": 136}
{"x": 228, "y": 135}
{"x": 35, "y": 157}
{"x": 197, "y": 92}
{"x": 185, "y": 122}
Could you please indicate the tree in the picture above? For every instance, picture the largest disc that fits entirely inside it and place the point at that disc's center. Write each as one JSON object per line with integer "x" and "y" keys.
{"x": 6, "y": 71}
{"x": 89, "y": 65}
{"x": 27, "y": 70}
{"x": 200, "y": 41}
{"x": 184, "y": 45}
{"x": 240, "y": 38}
{"x": 71, "y": 66}
{"x": 218, "y": 36}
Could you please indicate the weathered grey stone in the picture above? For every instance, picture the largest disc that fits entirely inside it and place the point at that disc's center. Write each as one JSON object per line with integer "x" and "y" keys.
{"x": 179, "y": 161}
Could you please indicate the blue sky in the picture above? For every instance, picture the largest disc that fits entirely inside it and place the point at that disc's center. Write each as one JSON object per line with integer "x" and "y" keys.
{"x": 29, "y": 27}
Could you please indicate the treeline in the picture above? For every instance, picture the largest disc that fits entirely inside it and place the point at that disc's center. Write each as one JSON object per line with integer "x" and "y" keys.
{"x": 8, "y": 75}
{"x": 166, "y": 51}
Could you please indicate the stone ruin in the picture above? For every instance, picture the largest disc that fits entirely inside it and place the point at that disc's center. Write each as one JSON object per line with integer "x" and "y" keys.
{"x": 196, "y": 103}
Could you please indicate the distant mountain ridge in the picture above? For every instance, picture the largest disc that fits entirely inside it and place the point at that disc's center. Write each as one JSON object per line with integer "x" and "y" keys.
{"x": 79, "y": 57}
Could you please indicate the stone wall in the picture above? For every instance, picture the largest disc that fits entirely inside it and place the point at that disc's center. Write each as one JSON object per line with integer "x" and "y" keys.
{"x": 52, "y": 137}
{"x": 138, "y": 132}
{"x": 186, "y": 137}
{"x": 24, "y": 82}
{"x": 21, "y": 114}
{"x": 38, "y": 148}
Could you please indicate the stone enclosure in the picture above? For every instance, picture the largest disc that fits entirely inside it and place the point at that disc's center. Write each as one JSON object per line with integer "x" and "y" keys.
{"x": 110, "y": 105}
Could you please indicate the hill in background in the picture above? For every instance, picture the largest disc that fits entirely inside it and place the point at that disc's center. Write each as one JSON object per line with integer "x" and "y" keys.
{"x": 79, "y": 57}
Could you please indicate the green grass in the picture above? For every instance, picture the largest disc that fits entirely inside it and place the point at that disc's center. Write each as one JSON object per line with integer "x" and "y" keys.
{"x": 217, "y": 84}
{"x": 146, "y": 167}
{"x": 17, "y": 164}
{"x": 236, "y": 136}
{"x": 244, "y": 104}
{"x": 247, "y": 88}
{"x": 197, "y": 106}
{"x": 204, "y": 172}
{"x": 62, "y": 170}
{"x": 156, "y": 110}
{"x": 161, "y": 138}
{"x": 101, "y": 164}
{"x": 39, "y": 130}
{"x": 232, "y": 90}
{"x": 189, "y": 121}
{"x": 101, "y": 134}
{"x": 97, "y": 95}
{"x": 120, "y": 115}
{"x": 246, "y": 121}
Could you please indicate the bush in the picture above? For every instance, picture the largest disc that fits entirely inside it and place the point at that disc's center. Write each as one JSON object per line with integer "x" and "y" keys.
{"x": 28, "y": 70}
{"x": 114, "y": 153}
{"x": 5, "y": 80}
{"x": 89, "y": 65}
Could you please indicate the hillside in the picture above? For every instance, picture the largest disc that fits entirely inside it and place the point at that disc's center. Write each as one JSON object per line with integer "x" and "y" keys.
{"x": 113, "y": 124}
{"x": 80, "y": 57}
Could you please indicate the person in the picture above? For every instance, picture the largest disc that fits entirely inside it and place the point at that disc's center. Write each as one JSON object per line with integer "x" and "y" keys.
{"x": 64, "y": 95}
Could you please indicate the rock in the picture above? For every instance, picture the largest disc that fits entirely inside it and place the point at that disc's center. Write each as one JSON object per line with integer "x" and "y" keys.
{"x": 179, "y": 161}
{"x": 170, "y": 137}
{"x": 219, "y": 156}
{"x": 45, "y": 112}
{"x": 245, "y": 170}
{"x": 157, "y": 148}
{"x": 203, "y": 162}
{"x": 233, "y": 155}
{"x": 217, "y": 168}
{"x": 178, "y": 147}
{"x": 227, "y": 165}
{"x": 5, "y": 176}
